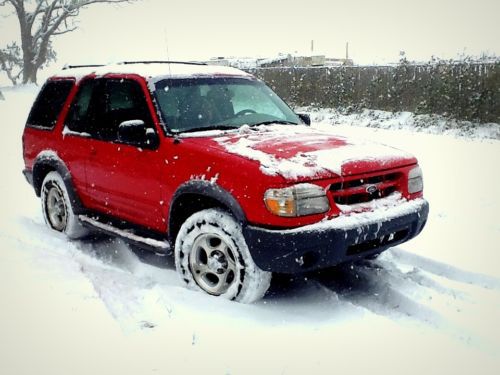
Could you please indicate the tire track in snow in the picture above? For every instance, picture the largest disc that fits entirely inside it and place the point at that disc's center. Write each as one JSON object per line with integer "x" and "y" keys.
{"x": 394, "y": 286}
{"x": 132, "y": 291}
{"x": 399, "y": 285}
{"x": 374, "y": 288}
{"x": 123, "y": 284}
{"x": 445, "y": 270}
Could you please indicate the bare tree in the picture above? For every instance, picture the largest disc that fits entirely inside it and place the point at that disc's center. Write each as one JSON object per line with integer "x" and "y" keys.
{"x": 11, "y": 61}
{"x": 39, "y": 22}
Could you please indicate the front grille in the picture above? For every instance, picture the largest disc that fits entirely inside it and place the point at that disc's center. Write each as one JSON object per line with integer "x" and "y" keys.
{"x": 362, "y": 190}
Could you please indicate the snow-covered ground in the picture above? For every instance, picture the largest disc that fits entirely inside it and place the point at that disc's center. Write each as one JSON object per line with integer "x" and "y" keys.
{"x": 428, "y": 306}
{"x": 431, "y": 124}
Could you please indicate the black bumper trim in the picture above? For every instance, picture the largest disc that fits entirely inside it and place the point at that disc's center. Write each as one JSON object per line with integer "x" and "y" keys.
{"x": 295, "y": 251}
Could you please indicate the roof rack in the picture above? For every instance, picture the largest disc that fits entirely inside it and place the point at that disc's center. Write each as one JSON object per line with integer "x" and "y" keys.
{"x": 82, "y": 66}
{"x": 163, "y": 62}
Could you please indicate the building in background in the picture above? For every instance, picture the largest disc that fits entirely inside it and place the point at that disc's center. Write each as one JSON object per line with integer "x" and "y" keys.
{"x": 282, "y": 60}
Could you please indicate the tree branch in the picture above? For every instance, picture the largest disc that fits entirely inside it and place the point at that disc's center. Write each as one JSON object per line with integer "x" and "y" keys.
{"x": 42, "y": 21}
{"x": 38, "y": 10}
{"x": 10, "y": 59}
{"x": 68, "y": 30}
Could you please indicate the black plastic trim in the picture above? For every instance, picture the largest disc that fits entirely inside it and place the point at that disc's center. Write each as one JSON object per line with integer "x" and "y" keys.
{"x": 209, "y": 190}
{"x": 163, "y": 62}
{"x": 66, "y": 67}
{"x": 52, "y": 163}
{"x": 303, "y": 251}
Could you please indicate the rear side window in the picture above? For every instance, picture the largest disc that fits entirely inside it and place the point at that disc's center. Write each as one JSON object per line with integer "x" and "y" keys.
{"x": 49, "y": 103}
{"x": 81, "y": 116}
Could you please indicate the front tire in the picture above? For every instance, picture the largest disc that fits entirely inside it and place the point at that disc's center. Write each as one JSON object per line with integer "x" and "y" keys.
{"x": 56, "y": 207}
{"x": 211, "y": 255}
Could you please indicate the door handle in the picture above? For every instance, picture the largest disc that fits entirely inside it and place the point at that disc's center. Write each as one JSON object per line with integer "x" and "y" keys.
{"x": 93, "y": 151}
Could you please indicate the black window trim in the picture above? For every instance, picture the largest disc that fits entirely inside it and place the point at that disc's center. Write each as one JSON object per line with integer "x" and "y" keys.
{"x": 99, "y": 89}
{"x": 67, "y": 131}
{"x": 64, "y": 104}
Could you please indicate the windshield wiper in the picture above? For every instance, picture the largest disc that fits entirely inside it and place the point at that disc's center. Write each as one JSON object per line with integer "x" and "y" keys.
{"x": 280, "y": 122}
{"x": 211, "y": 127}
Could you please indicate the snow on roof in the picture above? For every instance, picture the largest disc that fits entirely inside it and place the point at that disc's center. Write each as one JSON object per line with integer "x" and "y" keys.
{"x": 154, "y": 72}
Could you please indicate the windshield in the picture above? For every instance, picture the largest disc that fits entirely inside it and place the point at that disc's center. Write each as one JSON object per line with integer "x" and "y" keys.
{"x": 219, "y": 103}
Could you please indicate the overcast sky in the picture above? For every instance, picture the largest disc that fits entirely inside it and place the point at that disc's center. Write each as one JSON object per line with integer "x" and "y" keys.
{"x": 376, "y": 30}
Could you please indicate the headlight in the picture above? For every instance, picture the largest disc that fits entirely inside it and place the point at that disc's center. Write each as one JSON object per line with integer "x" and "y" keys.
{"x": 415, "y": 180}
{"x": 298, "y": 200}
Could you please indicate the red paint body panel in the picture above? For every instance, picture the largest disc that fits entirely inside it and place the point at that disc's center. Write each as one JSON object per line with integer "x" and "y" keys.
{"x": 137, "y": 185}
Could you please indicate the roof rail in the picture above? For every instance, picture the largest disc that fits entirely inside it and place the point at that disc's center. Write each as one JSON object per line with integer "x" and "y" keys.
{"x": 163, "y": 62}
{"x": 82, "y": 66}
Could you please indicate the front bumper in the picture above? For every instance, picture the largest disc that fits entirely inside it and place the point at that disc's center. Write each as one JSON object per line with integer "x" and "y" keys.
{"x": 335, "y": 241}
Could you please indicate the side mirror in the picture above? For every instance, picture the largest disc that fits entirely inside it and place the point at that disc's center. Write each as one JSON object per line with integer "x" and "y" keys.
{"x": 306, "y": 119}
{"x": 135, "y": 132}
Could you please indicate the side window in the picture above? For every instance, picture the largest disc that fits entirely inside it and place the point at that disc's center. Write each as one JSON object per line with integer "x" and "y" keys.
{"x": 81, "y": 116}
{"x": 49, "y": 103}
{"x": 124, "y": 101}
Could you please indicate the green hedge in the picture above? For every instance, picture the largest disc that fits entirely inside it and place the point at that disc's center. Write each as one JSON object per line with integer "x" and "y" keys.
{"x": 466, "y": 90}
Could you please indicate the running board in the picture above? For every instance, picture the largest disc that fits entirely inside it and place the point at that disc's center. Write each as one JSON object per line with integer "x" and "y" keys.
{"x": 161, "y": 246}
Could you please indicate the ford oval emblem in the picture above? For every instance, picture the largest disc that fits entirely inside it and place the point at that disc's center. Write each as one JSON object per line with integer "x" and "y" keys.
{"x": 371, "y": 189}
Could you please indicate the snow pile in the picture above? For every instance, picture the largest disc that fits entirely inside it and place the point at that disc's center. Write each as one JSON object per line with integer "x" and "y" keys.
{"x": 432, "y": 124}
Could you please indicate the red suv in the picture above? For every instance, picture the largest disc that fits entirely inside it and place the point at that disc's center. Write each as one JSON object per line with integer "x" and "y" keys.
{"x": 210, "y": 162}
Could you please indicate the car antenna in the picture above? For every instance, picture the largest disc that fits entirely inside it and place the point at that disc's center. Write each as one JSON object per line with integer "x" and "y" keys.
{"x": 177, "y": 140}
{"x": 168, "y": 54}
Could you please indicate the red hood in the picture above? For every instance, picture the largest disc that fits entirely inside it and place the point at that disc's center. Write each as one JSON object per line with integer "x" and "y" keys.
{"x": 302, "y": 152}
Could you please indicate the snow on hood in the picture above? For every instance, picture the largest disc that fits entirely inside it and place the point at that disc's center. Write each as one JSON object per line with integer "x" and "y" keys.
{"x": 296, "y": 151}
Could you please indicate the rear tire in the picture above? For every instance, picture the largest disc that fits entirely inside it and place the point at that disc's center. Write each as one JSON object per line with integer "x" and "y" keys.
{"x": 211, "y": 255}
{"x": 57, "y": 209}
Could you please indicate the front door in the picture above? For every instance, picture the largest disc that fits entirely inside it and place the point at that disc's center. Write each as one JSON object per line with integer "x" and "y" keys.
{"x": 121, "y": 180}
{"x": 124, "y": 180}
